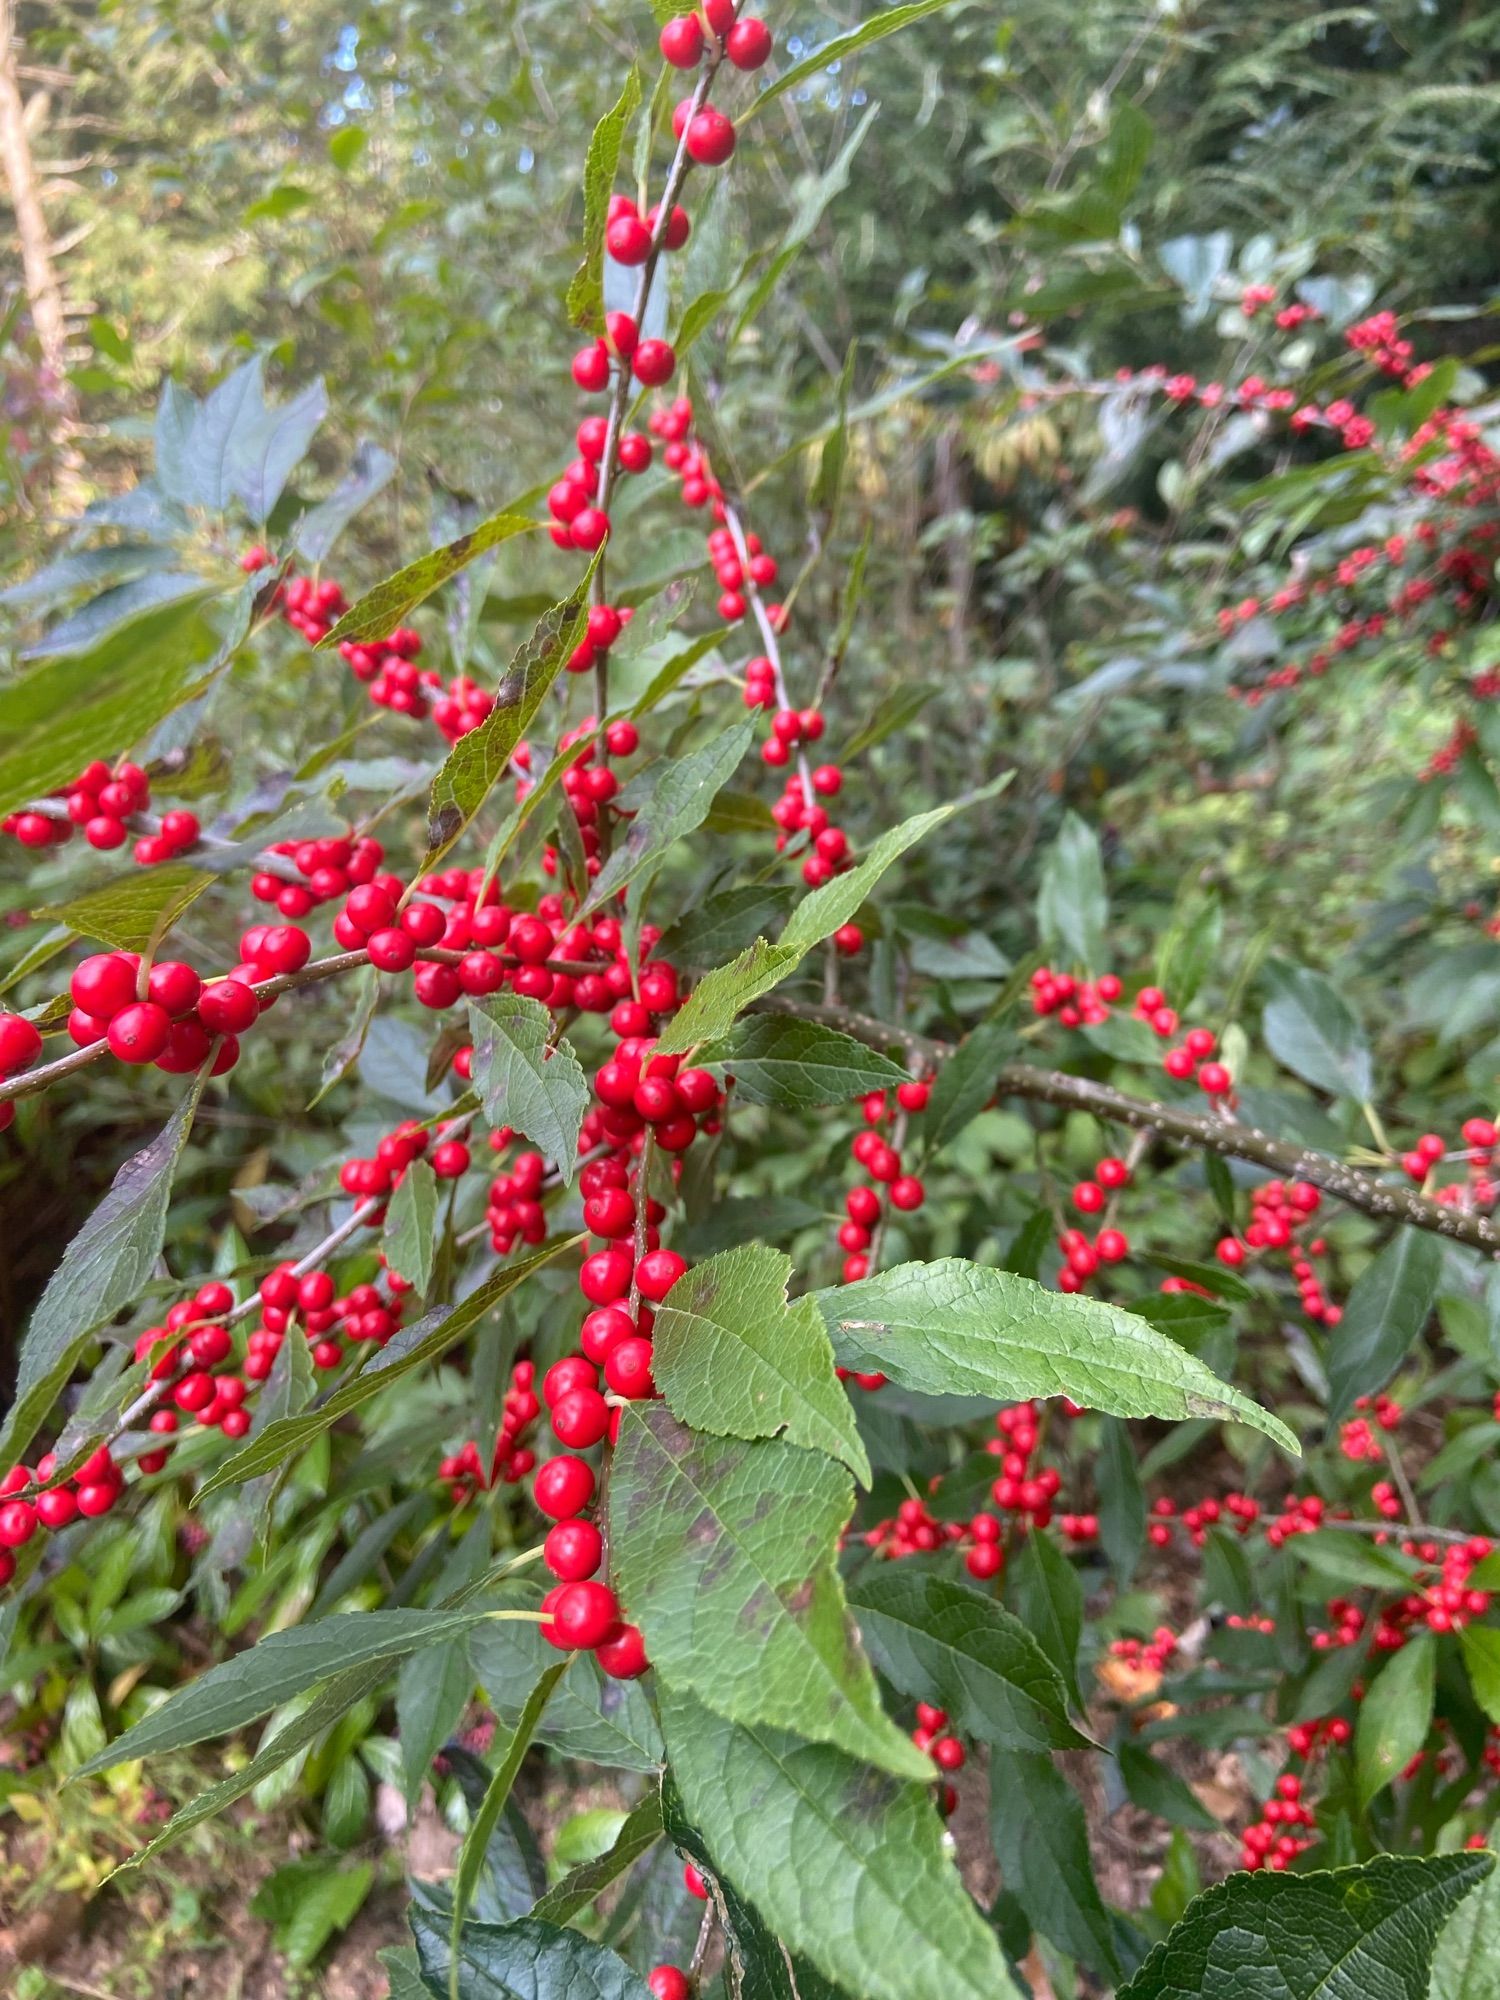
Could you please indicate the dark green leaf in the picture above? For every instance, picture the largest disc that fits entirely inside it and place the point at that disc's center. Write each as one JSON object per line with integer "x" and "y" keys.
{"x": 1072, "y": 907}
{"x": 638, "y": 1835}
{"x": 1383, "y": 1318}
{"x": 1346, "y": 1934}
{"x": 1044, "y": 1588}
{"x": 669, "y": 800}
{"x": 1041, "y": 1842}
{"x": 1395, "y": 1715}
{"x": 965, "y": 1082}
{"x": 1122, "y": 1504}
{"x": 1310, "y": 1027}
{"x": 1156, "y": 1789}
{"x": 801, "y": 1065}
{"x": 527, "y": 1960}
{"x": 472, "y": 1855}
{"x": 845, "y": 1864}
{"x": 526, "y": 1080}
{"x": 941, "y": 1642}
{"x": 411, "y": 1221}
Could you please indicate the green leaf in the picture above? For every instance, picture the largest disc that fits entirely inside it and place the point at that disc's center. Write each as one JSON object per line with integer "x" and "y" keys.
{"x": 371, "y": 472}
{"x": 1351, "y": 1561}
{"x": 965, "y": 1083}
{"x": 725, "y": 923}
{"x": 377, "y": 614}
{"x": 1395, "y": 1716}
{"x": 1041, "y": 1843}
{"x": 668, "y": 800}
{"x": 471, "y": 1857}
{"x": 1343, "y": 1934}
{"x": 820, "y": 914}
{"x": 307, "y": 1901}
{"x": 954, "y": 1328}
{"x": 1310, "y": 1028}
{"x": 345, "y": 146}
{"x": 1123, "y": 157}
{"x": 107, "y": 1264}
{"x": 411, "y": 1221}
{"x": 1043, "y": 1585}
{"x": 401, "y": 1968}
{"x": 413, "y": 1347}
{"x": 1072, "y": 908}
{"x": 1383, "y": 1318}
{"x": 839, "y": 50}
{"x": 477, "y": 760}
{"x": 1481, "y": 1649}
{"x": 586, "y": 292}
{"x": 722, "y": 995}
{"x": 276, "y": 1670}
{"x": 133, "y": 912}
{"x": 432, "y": 1691}
{"x": 845, "y": 1864}
{"x": 732, "y": 1357}
{"x": 891, "y": 718}
{"x": 538, "y": 1089}
{"x": 53, "y": 719}
{"x": 1122, "y": 1504}
{"x": 756, "y": 1964}
{"x": 639, "y": 1834}
{"x": 711, "y": 1535}
{"x": 1466, "y": 1964}
{"x": 347, "y": 1050}
{"x": 1155, "y": 1788}
{"x": 939, "y": 1641}
{"x": 526, "y": 1960}
{"x": 801, "y": 1065}
{"x": 725, "y": 993}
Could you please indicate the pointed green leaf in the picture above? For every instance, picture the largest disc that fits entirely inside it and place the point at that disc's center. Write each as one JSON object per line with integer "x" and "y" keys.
{"x": 845, "y": 1864}
{"x": 1395, "y": 1715}
{"x": 668, "y": 800}
{"x": 955, "y": 1328}
{"x": 133, "y": 911}
{"x": 941, "y": 1642}
{"x": 711, "y": 1535}
{"x": 1310, "y": 1026}
{"x": 576, "y": 1891}
{"x": 1072, "y": 908}
{"x": 586, "y": 292}
{"x": 886, "y": 22}
{"x": 477, "y": 761}
{"x": 1383, "y": 1317}
{"x": 1466, "y": 1964}
{"x": 381, "y": 610}
{"x": 1041, "y": 1843}
{"x": 107, "y": 1264}
{"x": 800, "y": 1065}
{"x": 411, "y": 1220}
{"x": 732, "y": 1357}
{"x": 526, "y": 1081}
{"x": 1342, "y": 1934}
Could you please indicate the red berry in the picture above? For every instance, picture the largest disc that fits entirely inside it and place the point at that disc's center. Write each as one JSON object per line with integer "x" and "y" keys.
{"x": 681, "y": 41}
{"x": 591, "y": 367}
{"x": 564, "y": 1487}
{"x": 583, "y": 1615}
{"x": 20, "y": 1044}
{"x": 139, "y": 1033}
{"x": 104, "y": 984}
{"x": 623, "y": 1656}
{"x": 174, "y": 986}
{"x": 228, "y": 1007}
{"x": 657, "y": 1272}
{"x": 627, "y": 1369}
{"x": 748, "y": 44}
{"x": 653, "y": 362}
{"x": 668, "y": 1983}
{"x": 710, "y": 137}
{"x": 573, "y": 1550}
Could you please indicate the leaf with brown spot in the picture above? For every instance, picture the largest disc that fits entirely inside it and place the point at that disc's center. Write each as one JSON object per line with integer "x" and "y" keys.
{"x": 712, "y": 1536}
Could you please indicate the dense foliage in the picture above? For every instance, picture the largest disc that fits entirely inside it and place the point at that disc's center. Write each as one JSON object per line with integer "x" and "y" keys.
{"x": 748, "y": 864}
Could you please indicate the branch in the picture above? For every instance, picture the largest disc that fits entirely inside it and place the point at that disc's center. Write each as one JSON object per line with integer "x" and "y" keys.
{"x": 1189, "y": 1130}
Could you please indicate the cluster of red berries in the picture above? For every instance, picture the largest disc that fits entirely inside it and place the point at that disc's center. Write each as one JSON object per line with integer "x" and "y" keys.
{"x": 330, "y": 867}
{"x": 589, "y": 785}
{"x": 512, "y": 1458}
{"x": 913, "y": 1530}
{"x": 1269, "y": 1841}
{"x": 102, "y": 801}
{"x": 1146, "y": 1656}
{"x": 1356, "y": 1439}
{"x": 363, "y": 1314}
{"x": 1110, "y": 1246}
{"x": 1278, "y": 1210}
{"x": 92, "y": 1490}
{"x": 1479, "y": 1190}
{"x": 933, "y": 1735}
{"x": 376, "y": 1177}
{"x": 880, "y": 1158}
{"x": 188, "y": 1351}
{"x": 166, "y": 1014}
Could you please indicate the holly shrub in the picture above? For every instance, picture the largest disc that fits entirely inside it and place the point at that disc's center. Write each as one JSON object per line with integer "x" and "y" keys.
{"x": 891, "y": 1332}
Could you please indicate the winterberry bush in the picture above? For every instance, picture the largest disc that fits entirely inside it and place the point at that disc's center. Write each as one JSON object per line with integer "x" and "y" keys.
{"x": 701, "y": 1315}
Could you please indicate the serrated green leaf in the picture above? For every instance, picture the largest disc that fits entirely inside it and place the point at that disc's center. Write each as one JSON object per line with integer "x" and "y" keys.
{"x": 413, "y": 1347}
{"x": 1395, "y": 1715}
{"x": 965, "y": 1083}
{"x": 1466, "y": 1964}
{"x": 1343, "y": 1934}
{"x": 941, "y": 1642}
{"x": 586, "y": 292}
{"x": 839, "y": 50}
{"x": 709, "y": 1535}
{"x": 377, "y": 614}
{"x": 107, "y": 1264}
{"x": 524, "y": 1080}
{"x": 1383, "y": 1318}
{"x": 133, "y": 911}
{"x": 1048, "y": 1597}
{"x": 411, "y": 1219}
{"x": 1157, "y": 1789}
{"x": 722, "y": 995}
{"x": 891, "y": 717}
{"x": 1311, "y": 1028}
{"x": 955, "y": 1328}
{"x": 668, "y": 800}
{"x": 725, "y": 923}
{"x": 732, "y": 1357}
{"x": 1041, "y": 1843}
{"x": 845, "y": 1864}
{"x": 589, "y": 1717}
{"x": 800, "y": 1065}
{"x": 526, "y": 1960}
{"x": 478, "y": 760}
{"x": 1481, "y": 1650}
